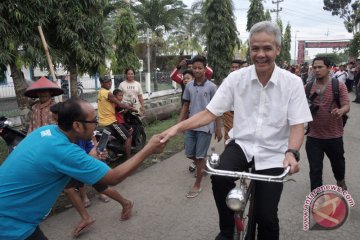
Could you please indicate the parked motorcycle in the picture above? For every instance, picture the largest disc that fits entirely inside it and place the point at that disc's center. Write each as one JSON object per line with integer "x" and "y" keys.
{"x": 115, "y": 148}
{"x": 11, "y": 136}
{"x": 65, "y": 87}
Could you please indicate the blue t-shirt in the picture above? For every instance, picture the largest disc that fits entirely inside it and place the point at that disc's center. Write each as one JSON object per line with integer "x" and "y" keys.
{"x": 34, "y": 175}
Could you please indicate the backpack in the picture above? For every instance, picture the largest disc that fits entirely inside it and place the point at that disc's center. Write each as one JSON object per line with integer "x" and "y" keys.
{"x": 336, "y": 93}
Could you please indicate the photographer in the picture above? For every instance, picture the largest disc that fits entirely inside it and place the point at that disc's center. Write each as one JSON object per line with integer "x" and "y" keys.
{"x": 326, "y": 130}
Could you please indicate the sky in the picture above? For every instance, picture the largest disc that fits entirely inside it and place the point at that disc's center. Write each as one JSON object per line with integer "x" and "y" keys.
{"x": 307, "y": 19}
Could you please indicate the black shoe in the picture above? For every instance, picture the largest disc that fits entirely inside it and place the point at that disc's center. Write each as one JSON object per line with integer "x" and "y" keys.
{"x": 220, "y": 236}
{"x": 342, "y": 184}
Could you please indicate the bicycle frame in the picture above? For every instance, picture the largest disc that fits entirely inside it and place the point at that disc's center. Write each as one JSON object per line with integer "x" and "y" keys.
{"x": 243, "y": 195}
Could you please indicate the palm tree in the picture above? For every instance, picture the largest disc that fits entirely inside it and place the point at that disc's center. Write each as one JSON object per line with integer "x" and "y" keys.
{"x": 159, "y": 16}
{"x": 190, "y": 37}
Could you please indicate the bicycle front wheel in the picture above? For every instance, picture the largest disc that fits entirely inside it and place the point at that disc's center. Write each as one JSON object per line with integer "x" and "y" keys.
{"x": 245, "y": 220}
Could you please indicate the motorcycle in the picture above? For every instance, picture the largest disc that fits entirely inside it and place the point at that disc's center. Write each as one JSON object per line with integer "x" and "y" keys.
{"x": 65, "y": 87}
{"x": 115, "y": 148}
{"x": 11, "y": 136}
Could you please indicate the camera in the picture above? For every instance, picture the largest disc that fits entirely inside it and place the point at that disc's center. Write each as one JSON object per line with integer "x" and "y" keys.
{"x": 313, "y": 108}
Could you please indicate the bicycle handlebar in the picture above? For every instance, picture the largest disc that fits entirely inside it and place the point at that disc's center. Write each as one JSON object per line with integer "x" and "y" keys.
{"x": 252, "y": 176}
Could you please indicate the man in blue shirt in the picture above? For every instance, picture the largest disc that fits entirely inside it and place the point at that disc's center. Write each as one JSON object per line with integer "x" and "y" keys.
{"x": 36, "y": 172}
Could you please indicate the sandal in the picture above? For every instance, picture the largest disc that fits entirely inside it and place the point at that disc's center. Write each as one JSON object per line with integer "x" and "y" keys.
{"x": 86, "y": 203}
{"x": 193, "y": 194}
{"x": 77, "y": 232}
{"x": 104, "y": 198}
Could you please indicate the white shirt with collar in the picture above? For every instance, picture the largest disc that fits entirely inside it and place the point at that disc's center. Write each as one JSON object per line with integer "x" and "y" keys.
{"x": 262, "y": 114}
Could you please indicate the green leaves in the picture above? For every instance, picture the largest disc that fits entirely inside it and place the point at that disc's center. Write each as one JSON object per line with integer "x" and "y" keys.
{"x": 125, "y": 41}
{"x": 255, "y": 13}
{"x": 221, "y": 36}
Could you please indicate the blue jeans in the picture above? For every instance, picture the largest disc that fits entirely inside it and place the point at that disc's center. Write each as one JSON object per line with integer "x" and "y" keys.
{"x": 197, "y": 144}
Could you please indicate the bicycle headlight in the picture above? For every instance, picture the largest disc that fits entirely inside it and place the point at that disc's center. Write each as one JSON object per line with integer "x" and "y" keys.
{"x": 235, "y": 199}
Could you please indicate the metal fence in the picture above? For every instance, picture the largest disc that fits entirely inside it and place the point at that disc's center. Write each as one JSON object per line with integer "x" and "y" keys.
{"x": 160, "y": 83}
{"x": 7, "y": 90}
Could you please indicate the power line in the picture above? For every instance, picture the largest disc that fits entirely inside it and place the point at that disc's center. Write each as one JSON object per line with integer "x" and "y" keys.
{"x": 277, "y": 10}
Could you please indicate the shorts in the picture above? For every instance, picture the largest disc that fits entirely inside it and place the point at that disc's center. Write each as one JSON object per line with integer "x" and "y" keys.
{"x": 197, "y": 144}
{"x": 119, "y": 131}
{"x": 74, "y": 183}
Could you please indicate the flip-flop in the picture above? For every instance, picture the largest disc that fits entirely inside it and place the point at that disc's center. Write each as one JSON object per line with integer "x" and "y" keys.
{"x": 193, "y": 194}
{"x": 104, "y": 199}
{"x": 86, "y": 203}
{"x": 126, "y": 213}
{"x": 83, "y": 229}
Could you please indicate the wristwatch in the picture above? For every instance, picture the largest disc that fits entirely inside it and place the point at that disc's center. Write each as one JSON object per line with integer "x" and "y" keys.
{"x": 296, "y": 153}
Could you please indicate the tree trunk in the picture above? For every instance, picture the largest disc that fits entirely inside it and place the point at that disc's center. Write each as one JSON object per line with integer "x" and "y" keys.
{"x": 156, "y": 87}
{"x": 73, "y": 79}
{"x": 20, "y": 86}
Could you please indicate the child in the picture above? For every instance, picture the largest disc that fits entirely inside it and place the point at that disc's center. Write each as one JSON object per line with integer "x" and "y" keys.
{"x": 119, "y": 95}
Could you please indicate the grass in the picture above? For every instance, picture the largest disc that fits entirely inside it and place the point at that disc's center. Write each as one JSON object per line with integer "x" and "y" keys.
{"x": 3, "y": 150}
{"x": 175, "y": 145}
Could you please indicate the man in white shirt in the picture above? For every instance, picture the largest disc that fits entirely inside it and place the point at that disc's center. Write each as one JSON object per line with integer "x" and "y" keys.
{"x": 341, "y": 75}
{"x": 270, "y": 109}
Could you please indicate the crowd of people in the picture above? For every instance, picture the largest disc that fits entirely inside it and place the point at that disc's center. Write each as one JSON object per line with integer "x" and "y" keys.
{"x": 264, "y": 108}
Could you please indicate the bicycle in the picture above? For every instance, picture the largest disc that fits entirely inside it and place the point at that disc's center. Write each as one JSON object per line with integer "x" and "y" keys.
{"x": 241, "y": 198}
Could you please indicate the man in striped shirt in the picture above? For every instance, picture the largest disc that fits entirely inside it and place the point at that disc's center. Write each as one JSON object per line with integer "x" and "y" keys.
{"x": 326, "y": 130}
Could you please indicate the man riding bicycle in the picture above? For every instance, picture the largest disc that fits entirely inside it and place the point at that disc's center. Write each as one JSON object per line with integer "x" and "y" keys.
{"x": 270, "y": 109}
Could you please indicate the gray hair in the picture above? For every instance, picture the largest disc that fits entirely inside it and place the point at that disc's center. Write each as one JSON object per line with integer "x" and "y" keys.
{"x": 268, "y": 27}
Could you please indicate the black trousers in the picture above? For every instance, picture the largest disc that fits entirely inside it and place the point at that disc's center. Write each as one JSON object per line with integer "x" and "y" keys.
{"x": 37, "y": 235}
{"x": 334, "y": 150}
{"x": 267, "y": 195}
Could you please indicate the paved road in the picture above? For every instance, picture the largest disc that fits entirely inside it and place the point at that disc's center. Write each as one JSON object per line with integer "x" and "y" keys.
{"x": 163, "y": 213}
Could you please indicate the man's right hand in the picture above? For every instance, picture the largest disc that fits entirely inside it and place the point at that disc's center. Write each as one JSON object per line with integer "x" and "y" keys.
{"x": 154, "y": 145}
{"x": 182, "y": 63}
{"x": 167, "y": 134}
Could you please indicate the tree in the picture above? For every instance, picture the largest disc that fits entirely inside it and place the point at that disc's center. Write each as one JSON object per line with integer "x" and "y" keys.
{"x": 255, "y": 13}
{"x": 76, "y": 29}
{"x": 159, "y": 16}
{"x": 348, "y": 10}
{"x": 333, "y": 57}
{"x": 125, "y": 41}
{"x": 267, "y": 16}
{"x": 354, "y": 48}
{"x": 190, "y": 36}
{"x": 286, "y": 44}
{"x": 20, "y": 42}
{"x": 221, "y": 36}
{"x": 280, "y": 57}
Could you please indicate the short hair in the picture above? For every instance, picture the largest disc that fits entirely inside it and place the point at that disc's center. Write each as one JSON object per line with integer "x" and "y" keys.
{"x": 322, "y": 58}
{"x": 105, "y": 79}
{"x": 268, "y": 27}
{"x": 199, "y": 58}
{"x": 188, "y": 71}
{"x": 69, "y": 112}
{"x": 117, "y": 91}
{"x": 237, "y": 61}
{"x": 128, "y": 69}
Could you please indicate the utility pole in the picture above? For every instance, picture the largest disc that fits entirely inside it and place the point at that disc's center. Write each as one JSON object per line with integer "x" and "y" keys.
{"x": 278, "y": 9}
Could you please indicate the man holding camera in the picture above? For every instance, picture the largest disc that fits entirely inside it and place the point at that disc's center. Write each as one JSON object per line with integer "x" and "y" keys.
{"x": 326, "y": 130}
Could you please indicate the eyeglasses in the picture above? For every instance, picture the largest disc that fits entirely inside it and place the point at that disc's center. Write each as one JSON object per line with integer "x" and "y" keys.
{"x": 85, "y": 121}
